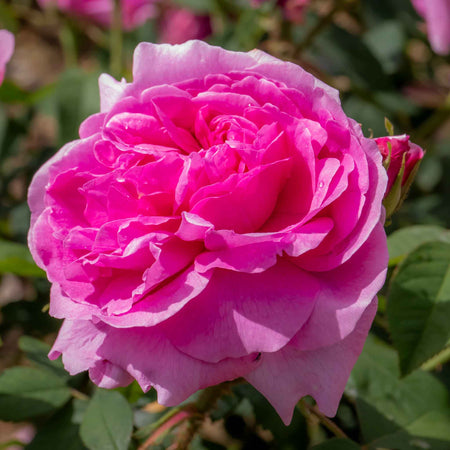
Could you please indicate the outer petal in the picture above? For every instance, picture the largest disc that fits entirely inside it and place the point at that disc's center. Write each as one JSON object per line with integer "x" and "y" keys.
{"x": 196, "y": 59}
{"x": 261, "y": 313}
{"x": 286, "y": 376}
{"x": 111, "y": 91}
{"x": 145, "y": 354}
{"x": 74, "y": 154}
{"x": 345, "y": 293}
{"x": 167, "y": 64}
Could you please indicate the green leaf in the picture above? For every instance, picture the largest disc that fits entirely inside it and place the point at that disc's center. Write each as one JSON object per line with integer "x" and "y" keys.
{"x": 107, "y": 422}
{"x": 16, "y": 258}
{"x": 387, "y": 41}
{"x": 392, "y": 408}
{"x": 59, "y": 433}
{"x": 404, "y": 241}
{"x": 37, "y": 352}
{"x": 27, "y": 392}
{"x": 418, "y": 308}
{"x": 389, "y": 128}
{"x": 337, "y": 444}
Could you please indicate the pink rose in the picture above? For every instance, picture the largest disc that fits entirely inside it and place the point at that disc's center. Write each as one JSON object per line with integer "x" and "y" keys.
{"x": 180, "y": 25}
{"x": 402, "y": 159}
{"x": 134, "y": 12}
{"x": 6, "y": 51}
{"x": 437, "y": 16}
{"x": 219, "y": 218}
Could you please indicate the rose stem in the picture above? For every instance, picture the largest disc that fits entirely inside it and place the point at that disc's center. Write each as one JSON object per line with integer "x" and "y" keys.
{"x": 167, "y": 425}
{"x": 116, "y": 42}
{"x": 79, "y": 395}
{"x": 307, "y": 410}
{"x": 204, "y": 404}
{"x": 437, "y": 360}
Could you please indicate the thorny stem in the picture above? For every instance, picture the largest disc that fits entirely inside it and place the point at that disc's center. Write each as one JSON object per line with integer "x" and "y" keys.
{"x": 308, "y": 409}
{"x": 204, "y": 404}
{"x": 194, "y": 412}
{"x": 166, "y": 426}
{"x": 68, "y": 45}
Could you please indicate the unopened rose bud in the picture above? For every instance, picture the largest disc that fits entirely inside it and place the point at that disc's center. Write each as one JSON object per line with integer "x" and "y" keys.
{"x": 401, "y": 159}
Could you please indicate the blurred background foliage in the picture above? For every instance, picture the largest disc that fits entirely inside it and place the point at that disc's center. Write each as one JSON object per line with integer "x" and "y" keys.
{"x": 377, "y": 54}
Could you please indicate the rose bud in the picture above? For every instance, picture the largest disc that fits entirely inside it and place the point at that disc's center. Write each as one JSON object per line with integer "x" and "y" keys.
{"x": 220, "y": 217}
{"x": 6, "y": 51}
{"x": 401, "y": 158}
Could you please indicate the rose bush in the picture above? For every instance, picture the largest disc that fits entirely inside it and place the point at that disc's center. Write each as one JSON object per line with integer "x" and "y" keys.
{"x": 221, "y": 217}
{"x": 6, "y": 51}
{"x": 133, "y": 12}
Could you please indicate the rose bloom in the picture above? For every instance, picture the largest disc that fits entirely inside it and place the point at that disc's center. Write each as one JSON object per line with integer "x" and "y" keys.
{"x": 221, "y": 217}
{"x": 179, "y": 25}
{"x": 133, "y": 12}
{"x": 6, "y": 51}
{"x": 437, "y": 17}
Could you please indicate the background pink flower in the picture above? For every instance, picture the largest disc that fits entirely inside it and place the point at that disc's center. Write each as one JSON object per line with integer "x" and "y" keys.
{"x": 179, "y": 25}
{"x": 294, "y": 10}
{"x": 6, "y": 51}
{"x": 437, "y": 17}
{"x": 219, "y": 218}
{"x": 134, "y": 12}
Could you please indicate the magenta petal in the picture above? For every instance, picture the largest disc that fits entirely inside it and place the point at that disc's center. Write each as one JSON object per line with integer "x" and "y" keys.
{"x": 166, "y": 64}
{"x": 109, "y": 376}
{"x": 111, "y": 91}
{"x": 114, "y": 355}
{"x": 78, "y": 342}
{"x": 250, "y": 202}
{"x": 291, "y": 373}
{"x": 162, "y": 304}
{"x": 261, "y": 313}
{"x": 345, "y": 293}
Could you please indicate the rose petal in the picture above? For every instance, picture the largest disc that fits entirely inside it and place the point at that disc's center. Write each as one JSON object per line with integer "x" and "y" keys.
{"x": 291, "y": 373}
{"x": 261, "y": 313}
